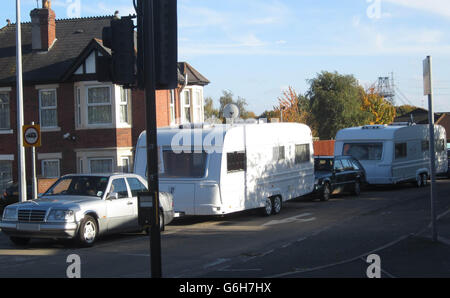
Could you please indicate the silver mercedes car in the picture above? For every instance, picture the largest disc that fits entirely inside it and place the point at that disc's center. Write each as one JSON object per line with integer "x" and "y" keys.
{"x": 82, "y": 207}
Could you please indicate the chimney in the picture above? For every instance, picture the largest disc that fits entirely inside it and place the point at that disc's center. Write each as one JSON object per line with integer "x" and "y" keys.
{"x": 43, "y": 27}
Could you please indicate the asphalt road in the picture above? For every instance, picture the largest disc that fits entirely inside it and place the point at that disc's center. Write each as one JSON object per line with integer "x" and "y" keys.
{"x": 308, "y": 239}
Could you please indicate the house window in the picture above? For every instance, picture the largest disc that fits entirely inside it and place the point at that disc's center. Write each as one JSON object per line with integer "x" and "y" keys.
{"x": 48, "y": 108}
{"x": 5, "y": 174}
{"x": 78, "y": 107}
{"x": 101, "y": 165}
{"x": 125, "y": 167}
{"x": 125, "y": 96}
{"x": 50, "y": 168}
{"x": 187, "y": 106}
{"x": 302, "y": 153}
{"x": 198, "y": 106}
{"x": 4, "y": 111}
{"x": 99, "y": 105}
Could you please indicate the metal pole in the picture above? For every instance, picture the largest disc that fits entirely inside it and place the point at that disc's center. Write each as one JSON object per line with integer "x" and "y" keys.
{"x": 20, "y": 119}
{"x": 152, "y": 142}
{"x": 33, "y": 165}
{"x": 434, "y": 233}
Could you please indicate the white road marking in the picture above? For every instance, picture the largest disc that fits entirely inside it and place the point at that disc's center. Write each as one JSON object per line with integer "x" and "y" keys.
{"x": 217, "y": 262}
{"x": 297, "y": 218}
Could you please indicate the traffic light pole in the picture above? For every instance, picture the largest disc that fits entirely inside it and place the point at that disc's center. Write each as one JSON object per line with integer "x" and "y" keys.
{"x": 152, "y": 142}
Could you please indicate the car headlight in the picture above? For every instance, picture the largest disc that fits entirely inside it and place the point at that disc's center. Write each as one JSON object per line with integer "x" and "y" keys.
{"x": 61, "y": 215}
{"x": 10, "y": 214}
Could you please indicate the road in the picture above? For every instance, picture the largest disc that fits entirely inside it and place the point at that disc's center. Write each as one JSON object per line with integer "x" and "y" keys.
{"x": 308, "y": 239}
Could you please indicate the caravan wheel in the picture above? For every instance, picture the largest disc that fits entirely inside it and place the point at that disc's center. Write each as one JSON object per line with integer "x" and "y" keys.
{"x": 277, "y": 205}
{"x": 420, "y": 180}
{"x": 268, "y": 207}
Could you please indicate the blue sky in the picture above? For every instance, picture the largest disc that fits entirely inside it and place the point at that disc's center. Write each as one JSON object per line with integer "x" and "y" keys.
{"x": 258, "y": 48}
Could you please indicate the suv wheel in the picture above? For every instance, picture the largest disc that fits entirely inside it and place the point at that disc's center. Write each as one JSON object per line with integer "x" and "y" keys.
{"x": 357, "y": 188}
{"x": 326, "y": 192}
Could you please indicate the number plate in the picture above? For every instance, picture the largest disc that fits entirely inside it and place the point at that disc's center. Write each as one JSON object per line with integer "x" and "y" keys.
{"x": 28, "y": 227}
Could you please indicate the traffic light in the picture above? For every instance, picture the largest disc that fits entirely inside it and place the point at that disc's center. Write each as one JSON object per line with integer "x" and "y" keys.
{"x": 120, "y": 38}
{"x": 158, "y": 27}
{"x": 166, "y": 44}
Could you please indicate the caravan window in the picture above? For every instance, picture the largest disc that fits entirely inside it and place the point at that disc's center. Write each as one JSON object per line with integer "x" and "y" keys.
{"x": 364, "y": 151}
{"x": 236, "y": 162}
{"x": 401, "y": 150}
{"x": 184, "y": 165}
{"x": 279, "y": 153}
{"x": 440, "y": 146}
{"x": 302, "y": 153}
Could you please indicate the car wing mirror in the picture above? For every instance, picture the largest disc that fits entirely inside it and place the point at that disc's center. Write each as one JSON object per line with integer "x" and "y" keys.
{"x": 113, "y": 196}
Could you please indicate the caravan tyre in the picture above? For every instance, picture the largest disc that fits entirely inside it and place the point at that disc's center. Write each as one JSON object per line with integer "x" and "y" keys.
{"x": 268, "y": 208}
{"x": 424, "y": 179}
{"x": 419, "y": 181}
{"x": 326, "y": 193}
{"x": 277, "y": 204}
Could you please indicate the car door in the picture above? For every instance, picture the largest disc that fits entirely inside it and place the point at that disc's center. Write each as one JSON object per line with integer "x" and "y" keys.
{"x": 136, "y": 186}
{"x": 339, "y": 175}
{"x": 120, "y": 211}
{"x": 350, "y": 174}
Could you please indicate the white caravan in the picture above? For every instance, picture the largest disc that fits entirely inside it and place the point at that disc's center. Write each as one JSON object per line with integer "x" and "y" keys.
{"x": 222, "y": 169}
{"x": 394, "y": 153}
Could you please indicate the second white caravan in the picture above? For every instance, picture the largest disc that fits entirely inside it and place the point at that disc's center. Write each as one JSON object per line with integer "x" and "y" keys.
{"x": 222, "y": 169}
{"x": 395, "y": 153}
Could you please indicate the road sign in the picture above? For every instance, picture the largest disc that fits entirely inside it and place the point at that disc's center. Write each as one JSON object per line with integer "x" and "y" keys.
{"x": 31, "y": 136}
{"x": 427, "y": 76}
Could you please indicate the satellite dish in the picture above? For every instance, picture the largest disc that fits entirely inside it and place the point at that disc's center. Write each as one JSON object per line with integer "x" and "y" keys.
{"x": 231, "y": 111}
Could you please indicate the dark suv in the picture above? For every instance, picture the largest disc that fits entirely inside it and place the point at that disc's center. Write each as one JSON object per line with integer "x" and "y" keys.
{"x": 337, "y": 174}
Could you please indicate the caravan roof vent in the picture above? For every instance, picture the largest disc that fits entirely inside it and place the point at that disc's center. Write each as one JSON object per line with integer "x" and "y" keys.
{"x": 373, "y": 126}
{"x": 195, "y": 126}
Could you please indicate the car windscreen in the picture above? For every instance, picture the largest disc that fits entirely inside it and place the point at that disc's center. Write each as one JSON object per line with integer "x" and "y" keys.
{"x": 323, "y": 164}
{"x": 91, "y": 186}
{"x": 364, "y": 151}
{"x": 183, "y": 165}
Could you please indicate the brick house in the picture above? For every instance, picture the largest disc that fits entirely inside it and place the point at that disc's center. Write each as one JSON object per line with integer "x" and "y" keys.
{"x": 420, "y": 116}
{"x": 87, "y": 126}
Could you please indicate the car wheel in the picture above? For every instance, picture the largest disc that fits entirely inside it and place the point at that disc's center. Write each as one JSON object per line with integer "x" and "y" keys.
{"x": 88, "y": 232}
{"x": 326, "y": 193}
{"x": 19, "y": 241}
{"x": 268, "y": 207}
{"x": 357, "y": 188}
{"x": 277, "y": 204}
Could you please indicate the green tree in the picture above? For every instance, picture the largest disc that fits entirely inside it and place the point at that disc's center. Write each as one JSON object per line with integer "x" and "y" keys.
{"x": 228, "y": 98}
{"x": 405, "y": 109}
{"x": 210, "y": 111}
{"x": 335, "y": 102}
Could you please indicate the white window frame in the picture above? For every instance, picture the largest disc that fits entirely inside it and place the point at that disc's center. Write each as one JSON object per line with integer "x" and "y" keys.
{"x": 88, "y": 105}
{"x": 184, "y": 105}
{"x": 8, "y": 94}
{"x": 127, "y": 164}
{"x": 43, "y": 167}
{"x": 78, "y": 109}
{"x": 128, "y": 95}
{"x": 55, "y": 107}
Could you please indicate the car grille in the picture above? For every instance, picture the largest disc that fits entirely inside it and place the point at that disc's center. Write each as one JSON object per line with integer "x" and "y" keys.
{"x": 32, "y": 215}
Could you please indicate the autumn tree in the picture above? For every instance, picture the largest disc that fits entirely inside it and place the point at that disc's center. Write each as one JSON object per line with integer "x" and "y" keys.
{"x": 379, "y": 110}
